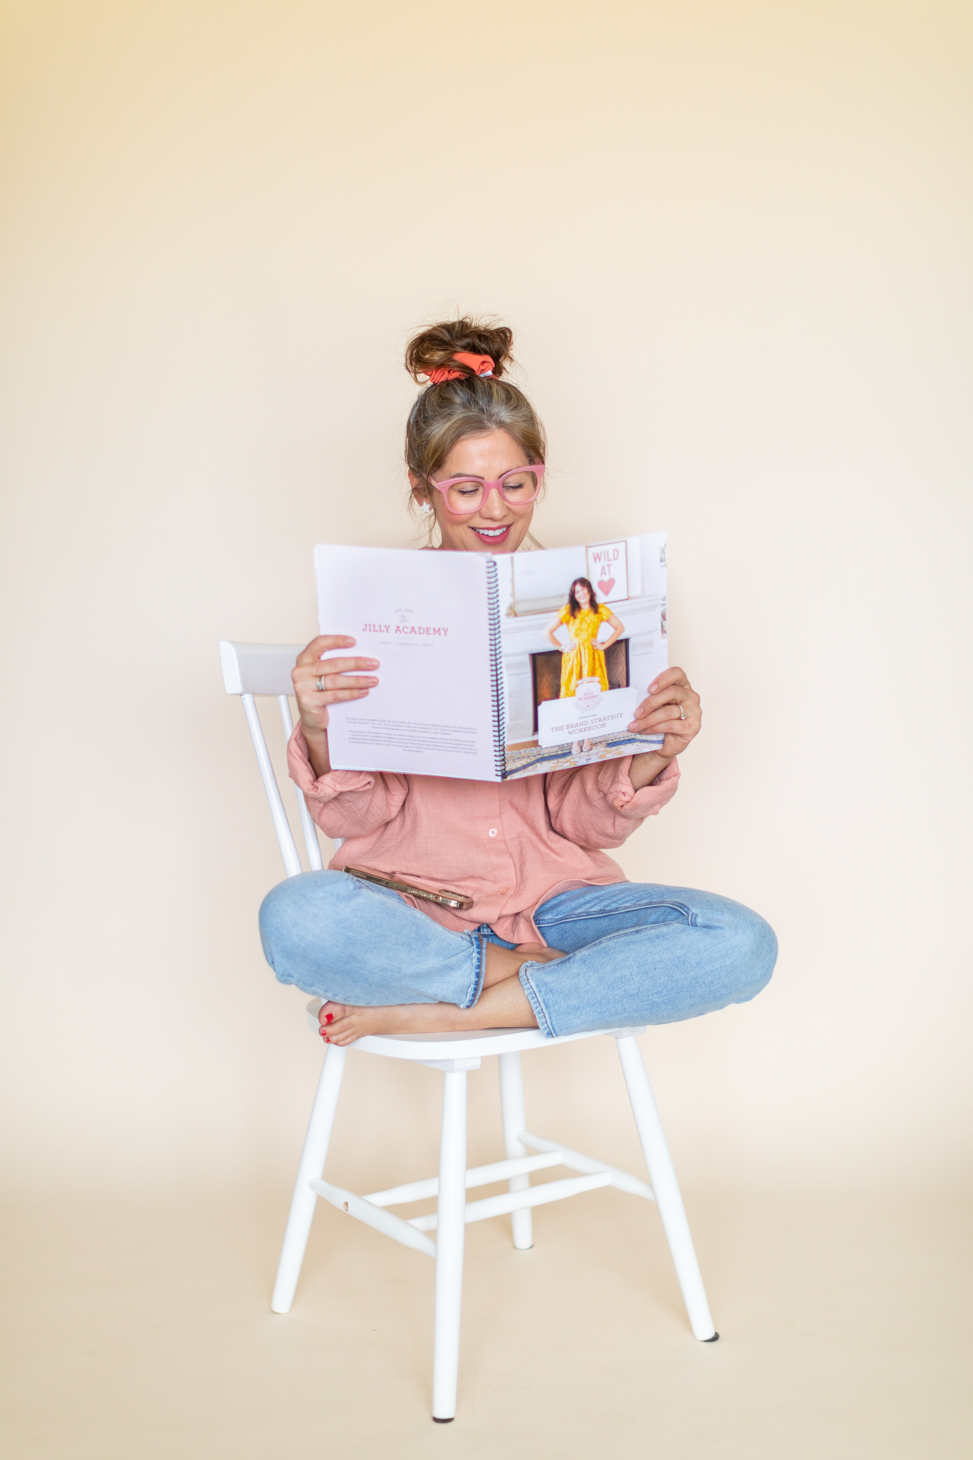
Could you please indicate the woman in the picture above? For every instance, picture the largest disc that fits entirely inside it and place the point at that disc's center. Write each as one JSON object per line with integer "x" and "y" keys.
{"x": 583, "y": 618}
{"x": 556, "y": 937}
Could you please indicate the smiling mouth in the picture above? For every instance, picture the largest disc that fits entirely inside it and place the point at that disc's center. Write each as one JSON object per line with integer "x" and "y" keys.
{"x": 492, "y": 534}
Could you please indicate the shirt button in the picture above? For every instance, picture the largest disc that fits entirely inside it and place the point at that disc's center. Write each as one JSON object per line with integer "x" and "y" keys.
{"x": 492, "y": 831}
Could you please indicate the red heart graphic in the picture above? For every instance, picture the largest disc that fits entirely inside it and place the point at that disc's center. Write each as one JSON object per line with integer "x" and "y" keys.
{"x": 606, "y": 585}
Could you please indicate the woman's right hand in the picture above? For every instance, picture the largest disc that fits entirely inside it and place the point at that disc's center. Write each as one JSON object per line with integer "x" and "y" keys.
{"x": 343, "y": 679}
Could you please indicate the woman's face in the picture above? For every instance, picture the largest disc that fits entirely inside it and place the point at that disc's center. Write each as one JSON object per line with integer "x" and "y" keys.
{"x": 582, "y": 595}
{"x": 497, "y": 526}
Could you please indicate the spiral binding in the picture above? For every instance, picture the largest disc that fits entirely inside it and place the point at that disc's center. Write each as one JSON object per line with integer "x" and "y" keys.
{"x": 496, "y": 672}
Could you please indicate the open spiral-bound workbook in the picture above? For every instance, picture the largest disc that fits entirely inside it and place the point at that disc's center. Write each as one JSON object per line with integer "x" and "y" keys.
{"x": 470, "y": 683}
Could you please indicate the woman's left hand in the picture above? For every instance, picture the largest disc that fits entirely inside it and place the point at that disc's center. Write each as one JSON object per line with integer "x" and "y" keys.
{"x": 672, "y": 709}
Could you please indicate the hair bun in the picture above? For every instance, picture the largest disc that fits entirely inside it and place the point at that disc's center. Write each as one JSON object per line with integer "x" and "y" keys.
{"x": 435, "y": 348}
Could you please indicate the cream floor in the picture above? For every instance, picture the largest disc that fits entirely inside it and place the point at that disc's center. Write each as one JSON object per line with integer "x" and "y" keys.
{"x": 141, "y": 1330}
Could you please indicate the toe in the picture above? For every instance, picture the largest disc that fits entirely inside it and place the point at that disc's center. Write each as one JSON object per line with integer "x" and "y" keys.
{"x": 329, "y": 1012}
{"x": 343, "y": 1031}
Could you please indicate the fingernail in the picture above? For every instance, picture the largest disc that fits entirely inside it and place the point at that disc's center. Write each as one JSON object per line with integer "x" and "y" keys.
{"x": 371, "y": 663}
{"x": 653, "y": 688}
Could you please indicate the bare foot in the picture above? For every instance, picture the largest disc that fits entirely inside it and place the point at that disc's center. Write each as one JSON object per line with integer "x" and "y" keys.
{"x": 503, "y": 964}
{"x": 538, "y": 953}
{"x": 504, "y": 1005}
{"x": 344, "y": 1023}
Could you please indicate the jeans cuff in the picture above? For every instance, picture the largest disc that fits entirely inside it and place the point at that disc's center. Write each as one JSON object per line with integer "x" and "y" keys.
{"x": 534, "y": 999}
{"x": 479, "y": 969}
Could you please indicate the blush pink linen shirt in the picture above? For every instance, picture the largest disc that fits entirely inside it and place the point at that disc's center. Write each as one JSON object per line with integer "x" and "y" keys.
{"x": 509, "y": 845}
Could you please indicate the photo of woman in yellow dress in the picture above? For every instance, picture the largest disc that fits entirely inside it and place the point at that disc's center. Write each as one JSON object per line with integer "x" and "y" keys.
{"x": 583, "y": 617}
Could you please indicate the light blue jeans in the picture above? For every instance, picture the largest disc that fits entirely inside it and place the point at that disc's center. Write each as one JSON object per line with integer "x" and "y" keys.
{"x": 636, "y": 953}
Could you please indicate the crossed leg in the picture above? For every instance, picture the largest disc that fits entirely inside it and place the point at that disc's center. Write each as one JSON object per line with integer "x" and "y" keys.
{"x": 501, "y": 1005}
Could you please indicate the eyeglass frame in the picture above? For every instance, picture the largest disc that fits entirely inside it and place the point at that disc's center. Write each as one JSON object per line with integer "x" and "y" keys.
{"x": 538, "y": 468}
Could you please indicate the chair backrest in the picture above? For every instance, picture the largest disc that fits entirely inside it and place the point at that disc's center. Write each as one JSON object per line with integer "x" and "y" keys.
{"x": 265, "y": 669}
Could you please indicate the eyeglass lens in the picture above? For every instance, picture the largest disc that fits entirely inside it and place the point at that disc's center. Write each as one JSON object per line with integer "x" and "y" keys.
{"x": 467, "y": 496}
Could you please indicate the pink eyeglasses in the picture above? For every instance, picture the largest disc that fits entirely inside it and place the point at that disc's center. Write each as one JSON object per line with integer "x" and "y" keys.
{"x": 463, "y": 496}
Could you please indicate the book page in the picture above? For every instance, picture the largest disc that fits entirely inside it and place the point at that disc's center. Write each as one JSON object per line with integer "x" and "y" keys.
{"x": 424, "y": 616}
{"x": 571, "y": 704}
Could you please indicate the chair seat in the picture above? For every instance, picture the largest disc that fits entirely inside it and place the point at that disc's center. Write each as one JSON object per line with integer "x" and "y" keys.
{"x": 471, "y": 1044}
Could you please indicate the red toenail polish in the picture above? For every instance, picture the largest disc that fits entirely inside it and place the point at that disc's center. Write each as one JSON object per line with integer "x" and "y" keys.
{"x": 328, "y": 1018}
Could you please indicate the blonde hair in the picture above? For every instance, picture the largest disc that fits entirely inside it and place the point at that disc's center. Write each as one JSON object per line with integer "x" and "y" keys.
{"x": 454, "y": 409}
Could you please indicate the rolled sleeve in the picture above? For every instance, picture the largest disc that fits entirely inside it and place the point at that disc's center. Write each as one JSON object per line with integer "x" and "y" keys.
{"x": 345, "y": 803}
{"x": 597, "y": 805}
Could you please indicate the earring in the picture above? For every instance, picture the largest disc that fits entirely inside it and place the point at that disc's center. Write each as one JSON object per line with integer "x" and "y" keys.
{"x": 425, "y": 507}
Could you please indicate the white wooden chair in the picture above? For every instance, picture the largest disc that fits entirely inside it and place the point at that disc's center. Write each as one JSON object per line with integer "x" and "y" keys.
{"x": 264, "y": 669}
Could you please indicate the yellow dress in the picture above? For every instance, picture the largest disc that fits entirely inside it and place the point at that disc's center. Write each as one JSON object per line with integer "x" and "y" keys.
{"x": 585, "y": 660}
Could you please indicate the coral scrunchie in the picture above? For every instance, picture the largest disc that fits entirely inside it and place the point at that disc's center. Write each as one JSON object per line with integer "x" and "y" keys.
{"x": 479, "y": 364}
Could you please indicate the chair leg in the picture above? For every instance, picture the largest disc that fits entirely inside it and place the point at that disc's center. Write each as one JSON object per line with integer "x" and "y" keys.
{"x": 304, "y": 1200}
{"x": 514, "y": 1123}
{"x": 663, "y": 1178}
{"x": 450, "y": 1238}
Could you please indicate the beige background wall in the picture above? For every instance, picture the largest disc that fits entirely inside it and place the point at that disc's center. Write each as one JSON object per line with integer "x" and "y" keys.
{"x": 735, "y": 241}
